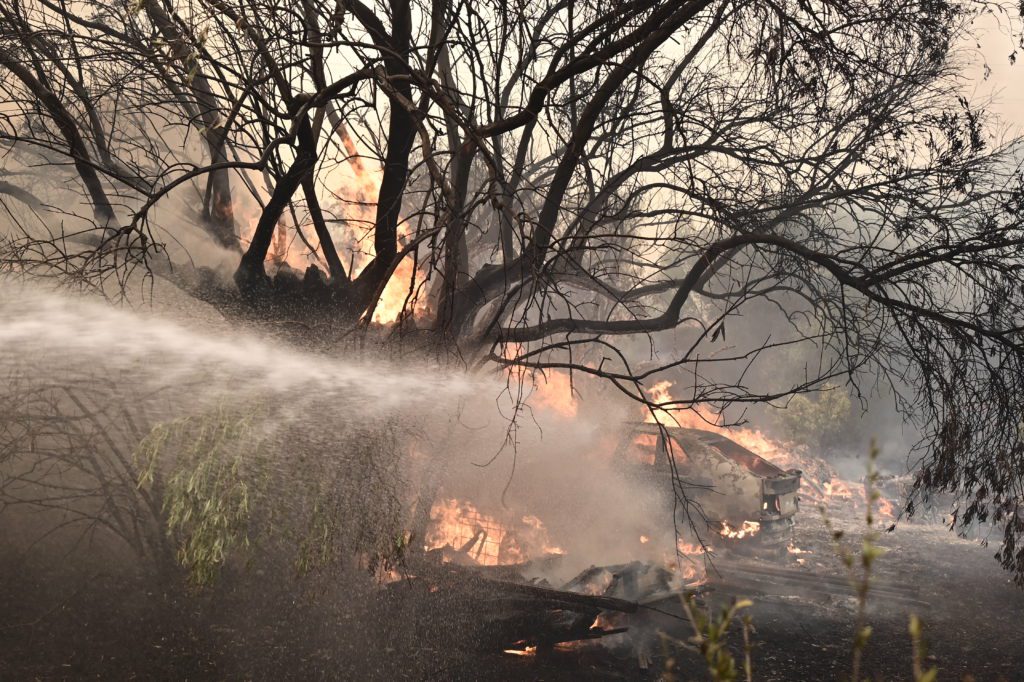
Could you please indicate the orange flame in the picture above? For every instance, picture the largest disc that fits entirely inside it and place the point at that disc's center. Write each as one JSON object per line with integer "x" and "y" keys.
{"x": 692, "y": 571}
{"x": 705, "y": 418}
{"x": 355, "y": 203}
{"x": 748, "y": 529}
{"x": 886, "y": 508}
{"x": 645, "y": 448}
{"x": 550, "y": 390}
{"x": 528, "y": 651}
{"x": 485, "y": 539}
{"x": 554, "y": 392}
{"x": 785, "y": 456}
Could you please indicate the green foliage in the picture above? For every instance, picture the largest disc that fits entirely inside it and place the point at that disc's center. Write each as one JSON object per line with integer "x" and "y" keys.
{"x": 347, "y": 513}
{"x": 215, "y": 474}
{"x": 859, "y": 565}
{"x": 709, "y": 638}
{"x": 816, "y": 423}
{"x": 319, "y": 545}
{"x": 916, "y": 639}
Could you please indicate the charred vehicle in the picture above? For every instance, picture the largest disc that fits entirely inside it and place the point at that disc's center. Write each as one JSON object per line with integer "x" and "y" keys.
{"x": 741, "y": 493}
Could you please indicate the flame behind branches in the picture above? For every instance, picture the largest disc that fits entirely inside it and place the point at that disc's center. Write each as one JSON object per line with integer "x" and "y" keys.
{"x": 549, "y": 391}
{"x": 354, "y": 203}
{"x": 820, "y": 484}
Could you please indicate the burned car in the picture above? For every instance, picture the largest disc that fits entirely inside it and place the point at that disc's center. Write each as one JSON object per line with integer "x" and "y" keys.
{"x": 741, "y": 493}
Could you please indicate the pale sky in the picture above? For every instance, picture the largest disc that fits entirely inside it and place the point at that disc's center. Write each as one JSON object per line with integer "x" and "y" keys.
{"x": 1005, "y": 84}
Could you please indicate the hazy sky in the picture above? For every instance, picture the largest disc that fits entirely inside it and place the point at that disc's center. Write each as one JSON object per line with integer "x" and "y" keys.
{"x": 1005, "y": 84}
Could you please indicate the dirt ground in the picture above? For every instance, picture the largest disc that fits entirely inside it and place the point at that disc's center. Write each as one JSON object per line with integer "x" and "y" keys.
{"x": 63, "y": 622}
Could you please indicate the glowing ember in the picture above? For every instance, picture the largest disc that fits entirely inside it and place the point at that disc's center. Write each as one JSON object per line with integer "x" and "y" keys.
{"x": 748, "y": 529}
{"x": 606, "y": 620}
{"x": 528, "y": 651}
{"x": 796, "y": 551}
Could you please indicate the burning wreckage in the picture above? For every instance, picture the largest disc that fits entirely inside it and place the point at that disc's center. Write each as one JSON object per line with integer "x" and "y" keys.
{"x": 499, "y": 573}
{"x": 741, "y": 493}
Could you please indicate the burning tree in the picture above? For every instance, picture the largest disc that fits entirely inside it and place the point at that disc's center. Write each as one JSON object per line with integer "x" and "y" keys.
{"x": 533, "y": 186}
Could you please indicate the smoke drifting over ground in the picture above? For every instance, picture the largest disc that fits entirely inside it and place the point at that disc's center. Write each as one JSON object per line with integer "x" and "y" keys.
{"x": 166, "y": 456}
{"x": 472, "y": 436}
{"x": 235, "y": 505}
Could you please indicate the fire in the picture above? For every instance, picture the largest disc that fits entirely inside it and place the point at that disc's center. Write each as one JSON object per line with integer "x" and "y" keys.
{"x": 886, "y": 508}
{"x": 550, "y": 390}
{"x": 748, "y": 529}
{"x": 460, "y": 525}
{"x": 658, "y": 393}
{"x": 359, "y": 208}
{"x": 393, "y": 299}
{"x": 686, "y": 549}
{"x": 705, "y": 418}
{"x": 820, "y": 484}
{"x": 536, "y": 532}
{"x": 553, "y": 391}
{"x": 837, "y": 488}
{"x": 692, "y": 571}
{"x": 527, "y": 651}
{"x": 355, "y": 204}
{"x": 646, "y": 449}
{"x": 796, "y": 551}
{"x": 485, "y": 539}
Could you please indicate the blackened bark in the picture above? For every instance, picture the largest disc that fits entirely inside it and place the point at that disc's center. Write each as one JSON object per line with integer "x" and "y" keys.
{"x": 251, "y": 276}
{"x": 323, "y": 234}
{"x": 401, "y": 136}
{"x": 218, "y": 211}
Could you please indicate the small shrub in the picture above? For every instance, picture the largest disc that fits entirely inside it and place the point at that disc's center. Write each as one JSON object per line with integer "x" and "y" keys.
{"x": 213, "y": 480}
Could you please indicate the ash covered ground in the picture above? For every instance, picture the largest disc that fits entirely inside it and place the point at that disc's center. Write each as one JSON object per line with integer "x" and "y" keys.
{"x": 75, "y": 621}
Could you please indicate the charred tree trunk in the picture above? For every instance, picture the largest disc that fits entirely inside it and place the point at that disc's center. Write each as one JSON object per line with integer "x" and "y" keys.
{"x": 102, "y": 209}
{"x": 251, "y": 276}
{"x": 401, "y": 136}
{"x": 218, "y": 212}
